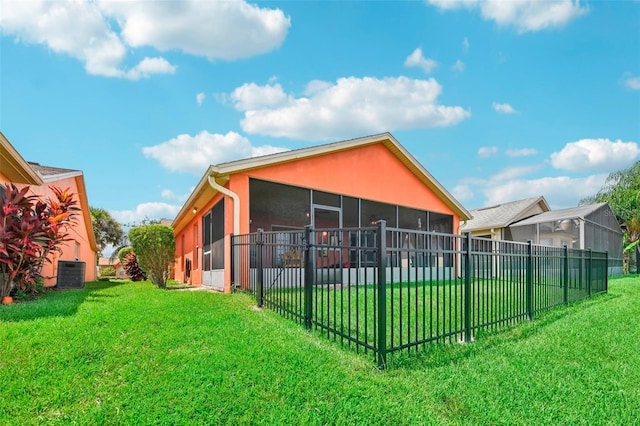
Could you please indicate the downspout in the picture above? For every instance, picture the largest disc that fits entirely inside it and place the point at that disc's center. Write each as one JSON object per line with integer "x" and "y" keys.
{"x": 236, "y": 203}
{"x": 236, "y": 213}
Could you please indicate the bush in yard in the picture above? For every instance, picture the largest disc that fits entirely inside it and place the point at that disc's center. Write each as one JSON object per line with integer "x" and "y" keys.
{"x": 154, "y": 246}
{"x": 130, "y": 263}
{"x": 30, "y": 229}
{"x": 107, "y": 271}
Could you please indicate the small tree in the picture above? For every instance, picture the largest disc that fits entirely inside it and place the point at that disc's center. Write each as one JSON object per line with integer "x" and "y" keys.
{"x": 30, "y": 229}
{"x": 622, "y": 191}
{"x": 130, "y": 263}
{"x": 105, "y": 228}
{"x": 123, "y": 252}
{"x": 154, "y": 246}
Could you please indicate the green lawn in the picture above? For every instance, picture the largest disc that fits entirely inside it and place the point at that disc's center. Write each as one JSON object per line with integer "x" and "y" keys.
{"x": 420, "y": 311}
{"x": 127, "y": 353}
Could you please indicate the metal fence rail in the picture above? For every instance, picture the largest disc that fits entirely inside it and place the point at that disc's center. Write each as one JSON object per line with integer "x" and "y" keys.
{"x": 384, "y": 289}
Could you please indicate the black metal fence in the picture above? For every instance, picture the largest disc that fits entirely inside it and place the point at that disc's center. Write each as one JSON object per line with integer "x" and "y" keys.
{"x": 421, "y": 287}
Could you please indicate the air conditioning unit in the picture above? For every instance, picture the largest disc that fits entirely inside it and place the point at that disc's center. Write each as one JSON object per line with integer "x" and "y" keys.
{"x": 70, "y": 274}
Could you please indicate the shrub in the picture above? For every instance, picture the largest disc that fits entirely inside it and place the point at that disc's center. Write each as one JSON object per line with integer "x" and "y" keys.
{"x": 30, "y": 229}
{"x": 154, "y": 246}
{"x": 108, "y": 271}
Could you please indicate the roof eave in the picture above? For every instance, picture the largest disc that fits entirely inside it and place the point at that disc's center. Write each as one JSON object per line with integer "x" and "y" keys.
{"x": 184, "y": 215}
{"x": 60, "y": 176}
{"x": 86, "y": 211}
{"x": 18, "y": 169}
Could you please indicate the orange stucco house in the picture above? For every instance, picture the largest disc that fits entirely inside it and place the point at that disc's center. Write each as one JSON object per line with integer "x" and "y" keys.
{"x": 82, "y": 247}
{"x": 344, "y": 184}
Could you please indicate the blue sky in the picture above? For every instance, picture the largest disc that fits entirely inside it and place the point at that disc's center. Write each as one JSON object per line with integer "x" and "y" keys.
{"x": 498, "y": 100}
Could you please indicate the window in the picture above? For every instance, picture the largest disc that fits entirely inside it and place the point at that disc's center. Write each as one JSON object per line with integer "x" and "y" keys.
{"x": 277, "y": 204}
{"x": 412, "y": 219}
{"x": 213, "y": 238}
{"x": 217, "y": 235}
{"x": 373, "y": 211}
{"x": 326, "y": 199}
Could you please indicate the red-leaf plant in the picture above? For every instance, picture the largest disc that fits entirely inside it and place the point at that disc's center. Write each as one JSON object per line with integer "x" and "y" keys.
{"x": 30, "y": 229}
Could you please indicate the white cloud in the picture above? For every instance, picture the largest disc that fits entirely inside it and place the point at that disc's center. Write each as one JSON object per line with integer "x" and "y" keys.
{"x": 200, "y": 98}
{"x": 524, "y": 15}
{"x": 186, "y": 153}
{"x": 76, "y": 28}
{"x": 416, "y": 59}
{"x": 633, "y": 83}
{"x": 462, "y": 192}
{"x": 351, "y": 106}
{"x": 465, "y": 44}
{"x": 215, "y": 29}
{"x": 168, "y": 194}
{"x": 513, "y": 172}
{"x": 511, "y": 183}
{"x": 487, "y": 151}
{"x": 82, "y": 29}
{"x": 524, "y": 152}
{"x": 250, "y": 96}
{"x": 562, "y": 191}
{"x": 602, "y": 155}
{"x": 149, "y": 66}
{"x": 504, "y": 108}
{"x": 143, "y": 211}
{"x": 458, "y": 66}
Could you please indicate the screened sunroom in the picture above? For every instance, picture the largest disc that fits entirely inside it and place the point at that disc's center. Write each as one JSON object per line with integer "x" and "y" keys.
{"x": 592, "y": 226}
{"x": 283, "y": 208}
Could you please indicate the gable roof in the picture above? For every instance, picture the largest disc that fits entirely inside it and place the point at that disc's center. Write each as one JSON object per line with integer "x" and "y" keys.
{"x": 16, "y": 168}
{"x": 50, "y": 174}
{"x": 221, "y": 172}
{"x": 502, "y": 215}
{"x": 579, "y": 212}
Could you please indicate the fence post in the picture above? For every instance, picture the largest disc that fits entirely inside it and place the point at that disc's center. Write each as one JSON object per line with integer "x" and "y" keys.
{"x": 606, "y": 271}
{"x": 308, "y": 277}
{"x": 529, "y": 295}
{"x": 232, "y": 261}
{"x": 381, "y": 263}
{"x": 589, "y": 275}
{"x": 259, "y": 268}
{"x": 565, "y": 277}
{"x": 467, "y": 288}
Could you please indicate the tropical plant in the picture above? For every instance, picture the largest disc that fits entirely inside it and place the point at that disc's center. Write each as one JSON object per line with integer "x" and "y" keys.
{"x": 123, "y": 252}
{"x": 130, "y": 263}
{"x": 105, "y": 228}
{"x": 154, "y": 246}
{"x": 30, "y": 229}
{"x": 622, "y": 191}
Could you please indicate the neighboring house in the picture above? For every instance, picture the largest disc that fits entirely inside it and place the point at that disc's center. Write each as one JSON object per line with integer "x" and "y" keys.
{"x": 592, "y": 226}
{"x": 105, "y": 262}
{"x": 492, "y": 222}
{"x": 344, "y": 184}
{"x": 82, "y": 247}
